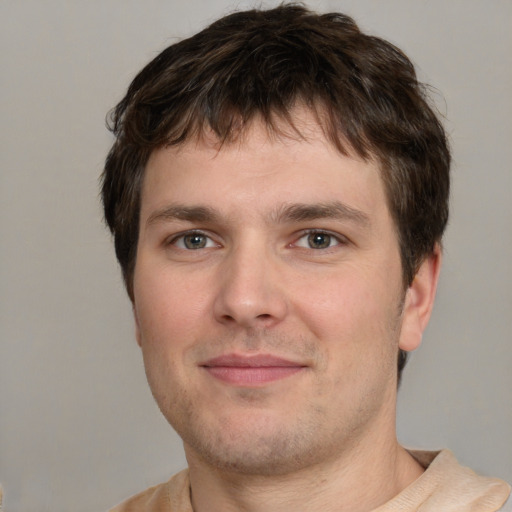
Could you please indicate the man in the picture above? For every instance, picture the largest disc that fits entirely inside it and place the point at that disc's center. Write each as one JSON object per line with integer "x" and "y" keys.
{"x": 278, "y": 191}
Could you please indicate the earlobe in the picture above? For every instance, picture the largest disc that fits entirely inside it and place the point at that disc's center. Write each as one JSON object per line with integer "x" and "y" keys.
{"x": 419, "y": 301}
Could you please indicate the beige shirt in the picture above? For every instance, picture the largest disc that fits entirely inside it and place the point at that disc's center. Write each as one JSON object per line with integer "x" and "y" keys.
{"x": 445, "y": 486}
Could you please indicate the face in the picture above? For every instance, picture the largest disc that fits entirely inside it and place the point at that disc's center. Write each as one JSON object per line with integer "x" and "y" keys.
{"x": 268, "y": 300}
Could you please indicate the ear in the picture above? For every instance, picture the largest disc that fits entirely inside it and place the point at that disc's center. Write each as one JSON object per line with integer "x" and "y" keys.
{"x": 137, "y": 326}
{"x": 419, "y": 301}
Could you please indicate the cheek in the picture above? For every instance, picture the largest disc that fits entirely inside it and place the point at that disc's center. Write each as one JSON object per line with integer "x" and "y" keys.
{"x": 335, "y": 302}
{"x": 170, "y": 308}
{"x": 167, "y": 312}
{"x": 352, "y": 312}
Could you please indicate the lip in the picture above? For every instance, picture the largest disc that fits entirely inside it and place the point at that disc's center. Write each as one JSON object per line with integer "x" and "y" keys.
{"x": 251, "y": 370}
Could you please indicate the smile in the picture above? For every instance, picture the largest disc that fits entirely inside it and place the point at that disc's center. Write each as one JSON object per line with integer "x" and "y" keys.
{"x": 250, "y": 370}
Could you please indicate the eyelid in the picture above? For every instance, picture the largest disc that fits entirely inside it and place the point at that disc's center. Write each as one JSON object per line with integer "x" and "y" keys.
{"x": 341, "y": 239}
{"x": 174, "y": 238}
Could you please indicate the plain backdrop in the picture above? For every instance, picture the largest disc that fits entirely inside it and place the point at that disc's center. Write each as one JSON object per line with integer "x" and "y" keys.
{"x": 78, "y": 427}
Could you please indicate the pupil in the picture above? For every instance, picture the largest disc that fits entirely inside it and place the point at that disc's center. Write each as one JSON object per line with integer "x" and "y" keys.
{"x": 319, "y": 240}
{"x": 195, "y": 241}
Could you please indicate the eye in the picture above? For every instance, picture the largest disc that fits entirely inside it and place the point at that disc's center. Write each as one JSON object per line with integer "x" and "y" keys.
{"x": 318, "y": 240}
{"x": 193, "y": 241}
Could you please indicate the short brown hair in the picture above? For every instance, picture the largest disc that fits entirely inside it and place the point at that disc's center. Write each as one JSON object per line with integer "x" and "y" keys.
{"x": 363, "y": 90}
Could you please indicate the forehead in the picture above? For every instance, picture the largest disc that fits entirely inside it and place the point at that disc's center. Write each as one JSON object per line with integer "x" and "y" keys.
{"x": 262, "y": 168}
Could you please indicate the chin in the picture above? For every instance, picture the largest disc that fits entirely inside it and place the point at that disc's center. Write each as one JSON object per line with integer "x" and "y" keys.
{"x": 276, "y": 457}
{"x": 256, "y": 448}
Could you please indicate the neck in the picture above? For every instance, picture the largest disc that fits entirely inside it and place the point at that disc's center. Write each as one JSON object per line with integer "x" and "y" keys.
{"x": 360, "y": 481}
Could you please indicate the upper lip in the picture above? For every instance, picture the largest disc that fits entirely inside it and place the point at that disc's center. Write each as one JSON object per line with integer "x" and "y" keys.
{"x": 250, "y": 361}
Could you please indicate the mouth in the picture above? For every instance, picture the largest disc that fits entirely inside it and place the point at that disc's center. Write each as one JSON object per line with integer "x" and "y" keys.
{"x": 251, "y": 370}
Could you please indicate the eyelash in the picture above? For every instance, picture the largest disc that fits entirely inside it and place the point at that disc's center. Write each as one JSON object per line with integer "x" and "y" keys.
{"x": 181, "y": 237}
{"x": 339, "y": 239}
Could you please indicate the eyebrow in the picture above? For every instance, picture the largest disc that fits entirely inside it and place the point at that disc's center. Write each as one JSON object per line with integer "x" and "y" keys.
{"x": 299, "y": 212}
{"x": 295, "y": 212}
{"x": 182, "y": 212}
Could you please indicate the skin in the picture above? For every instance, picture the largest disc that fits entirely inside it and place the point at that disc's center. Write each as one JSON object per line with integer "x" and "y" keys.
{"x": 280, "y": 247}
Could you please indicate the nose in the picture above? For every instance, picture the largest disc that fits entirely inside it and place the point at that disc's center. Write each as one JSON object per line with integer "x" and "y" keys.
{"x": 250, "y": 292}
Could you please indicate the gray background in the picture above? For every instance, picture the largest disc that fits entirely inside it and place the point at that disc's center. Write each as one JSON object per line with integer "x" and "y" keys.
{"x": 78, "y": 427}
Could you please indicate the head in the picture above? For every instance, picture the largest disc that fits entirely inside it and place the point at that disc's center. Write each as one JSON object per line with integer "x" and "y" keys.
{"x": 263, "y": 64}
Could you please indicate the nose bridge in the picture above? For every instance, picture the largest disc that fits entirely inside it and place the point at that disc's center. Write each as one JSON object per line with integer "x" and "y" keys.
{"x": 249, "y": 293}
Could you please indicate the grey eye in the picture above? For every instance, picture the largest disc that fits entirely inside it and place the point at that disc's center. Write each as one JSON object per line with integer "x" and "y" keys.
{"x": 319, "y": 240}
{"x": 195, "y": 241}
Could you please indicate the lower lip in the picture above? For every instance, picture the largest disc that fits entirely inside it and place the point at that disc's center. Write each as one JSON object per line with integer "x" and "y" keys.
{"x": 253, "y": 375}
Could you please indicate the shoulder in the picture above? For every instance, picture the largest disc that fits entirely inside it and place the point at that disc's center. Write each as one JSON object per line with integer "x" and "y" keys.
{"x": 448, "y": 482}
{"x": 171, "y": 496}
